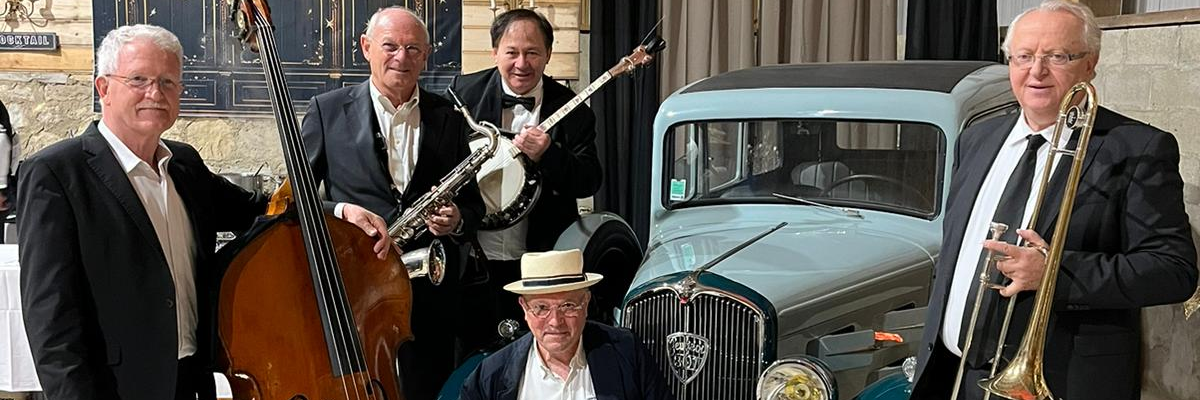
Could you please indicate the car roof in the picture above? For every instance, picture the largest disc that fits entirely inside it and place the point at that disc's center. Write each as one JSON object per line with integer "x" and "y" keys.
{"x": 937, "y": 76}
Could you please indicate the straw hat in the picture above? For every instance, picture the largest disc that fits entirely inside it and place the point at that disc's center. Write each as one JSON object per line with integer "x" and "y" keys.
{"x": 552, "y": 272}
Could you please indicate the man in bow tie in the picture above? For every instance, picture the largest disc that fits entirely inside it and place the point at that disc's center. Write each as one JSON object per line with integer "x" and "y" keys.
{"x": 516, "y": 95}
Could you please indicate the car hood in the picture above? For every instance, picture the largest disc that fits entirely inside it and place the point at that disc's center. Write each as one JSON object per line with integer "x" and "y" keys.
{"x": 795, "y": 264}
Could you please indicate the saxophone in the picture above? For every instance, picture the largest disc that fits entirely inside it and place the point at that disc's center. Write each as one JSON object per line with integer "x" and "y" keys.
{"x": 411, "y": 223}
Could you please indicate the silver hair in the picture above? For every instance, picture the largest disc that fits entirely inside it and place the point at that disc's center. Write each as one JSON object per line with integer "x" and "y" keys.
{"x": 375, "y": 18}
{"x": 1091, "y": 29}
{"x": 106, "y": 55}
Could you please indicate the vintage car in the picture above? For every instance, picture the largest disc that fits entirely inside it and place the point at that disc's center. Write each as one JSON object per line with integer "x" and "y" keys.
{"x": 795, "y": 217}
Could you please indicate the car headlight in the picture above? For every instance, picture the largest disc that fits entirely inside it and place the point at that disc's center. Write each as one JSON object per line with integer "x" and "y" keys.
{"x": 797, "y": 379}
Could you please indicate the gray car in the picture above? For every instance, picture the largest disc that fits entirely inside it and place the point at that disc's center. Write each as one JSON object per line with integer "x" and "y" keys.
{"x": 795, "y": 217}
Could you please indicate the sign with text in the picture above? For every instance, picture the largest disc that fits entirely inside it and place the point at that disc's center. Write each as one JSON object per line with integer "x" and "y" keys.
{"x": 28, "y": 41}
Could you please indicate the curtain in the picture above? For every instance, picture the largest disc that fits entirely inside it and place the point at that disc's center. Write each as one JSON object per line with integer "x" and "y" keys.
{"x": 708, "y": 37}
{"x": 956, "y": 30}
{"x": 625, "y": 109}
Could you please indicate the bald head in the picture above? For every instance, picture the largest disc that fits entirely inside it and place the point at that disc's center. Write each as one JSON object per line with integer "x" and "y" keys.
{"x": 396, "y": 15}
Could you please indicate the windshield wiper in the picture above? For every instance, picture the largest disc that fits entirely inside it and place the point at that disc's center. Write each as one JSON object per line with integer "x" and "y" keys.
{"x": 839, "y": 210}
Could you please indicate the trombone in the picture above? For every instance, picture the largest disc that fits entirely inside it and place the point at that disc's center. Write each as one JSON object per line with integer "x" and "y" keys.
{"x": 1022, "y": 378}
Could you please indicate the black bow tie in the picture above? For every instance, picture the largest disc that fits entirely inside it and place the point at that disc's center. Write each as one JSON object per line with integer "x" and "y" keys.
{"x": 509, "y": 101}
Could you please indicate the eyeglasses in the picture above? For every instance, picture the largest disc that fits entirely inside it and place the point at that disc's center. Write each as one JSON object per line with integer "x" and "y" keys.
{"x": 543, "y": 311}
{"x": 410, "y": 50}
{"x": 1026, "y": 60}
{"x": 142, "y": 83}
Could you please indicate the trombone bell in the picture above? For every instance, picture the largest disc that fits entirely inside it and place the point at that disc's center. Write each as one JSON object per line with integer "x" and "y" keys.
{"x": 429, "y": 261}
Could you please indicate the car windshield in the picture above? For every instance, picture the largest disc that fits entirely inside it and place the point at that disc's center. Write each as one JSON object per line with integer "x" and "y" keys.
{"x": 892, "y": 166}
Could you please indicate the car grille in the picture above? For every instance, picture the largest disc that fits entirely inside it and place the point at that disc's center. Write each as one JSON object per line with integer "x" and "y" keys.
{"x": 733, "y": 329}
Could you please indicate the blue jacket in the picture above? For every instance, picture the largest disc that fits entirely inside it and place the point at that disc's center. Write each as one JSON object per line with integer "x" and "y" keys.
{"x": 621, "y": 368}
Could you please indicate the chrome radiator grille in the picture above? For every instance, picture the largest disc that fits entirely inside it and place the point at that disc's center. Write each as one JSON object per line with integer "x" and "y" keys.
{"x": 732, "y": 330}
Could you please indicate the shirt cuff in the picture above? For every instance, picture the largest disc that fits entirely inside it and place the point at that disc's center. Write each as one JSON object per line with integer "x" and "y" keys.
{"x": 337, "y": 210}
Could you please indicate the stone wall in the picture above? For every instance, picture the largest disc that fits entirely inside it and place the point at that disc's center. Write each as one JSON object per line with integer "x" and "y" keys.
{"x": 1153, "y": 74}
{"x": 48, "y": 107}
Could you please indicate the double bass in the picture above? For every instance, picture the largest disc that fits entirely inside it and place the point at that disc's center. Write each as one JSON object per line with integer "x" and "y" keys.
{"x": 306, "y": 310}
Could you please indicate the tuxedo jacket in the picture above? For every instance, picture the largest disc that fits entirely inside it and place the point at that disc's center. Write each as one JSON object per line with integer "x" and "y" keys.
{"x": 1128, "y": 246}
{"x": 620, "y": 367}
{"x": 570, "y": 168}
{"x": 346, "y": 151}
{"x": 96, "y": 292}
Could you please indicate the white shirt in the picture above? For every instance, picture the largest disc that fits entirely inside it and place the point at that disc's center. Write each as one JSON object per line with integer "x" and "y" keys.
{"x": 540, "y": 383}
{"x": 509, "y": 244}
{"x": 172, "y": 225}
{"x": 966, "y": 271}
{"x": 401, "y": 131}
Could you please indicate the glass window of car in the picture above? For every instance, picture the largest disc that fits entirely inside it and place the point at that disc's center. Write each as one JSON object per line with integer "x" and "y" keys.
{"x": 891, "y": 166}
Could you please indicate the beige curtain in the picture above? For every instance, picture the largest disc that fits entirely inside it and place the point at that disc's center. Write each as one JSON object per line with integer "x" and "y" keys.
{"x": 708, "y": 37}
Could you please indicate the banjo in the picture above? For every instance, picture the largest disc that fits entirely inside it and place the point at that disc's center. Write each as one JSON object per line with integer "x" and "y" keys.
{"x": 509, "y": 182}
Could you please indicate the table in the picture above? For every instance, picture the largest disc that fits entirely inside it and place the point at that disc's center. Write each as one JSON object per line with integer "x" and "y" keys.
{"x": 16, "y": 363}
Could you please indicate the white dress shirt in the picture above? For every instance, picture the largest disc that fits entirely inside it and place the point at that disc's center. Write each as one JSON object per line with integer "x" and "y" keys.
{"x": 401, "y": 131}
{"x": 966, "y": 271}
{"x": 172, "y": 225}
{"x": 540, "y": 383}
{"x": 509, "y": 244}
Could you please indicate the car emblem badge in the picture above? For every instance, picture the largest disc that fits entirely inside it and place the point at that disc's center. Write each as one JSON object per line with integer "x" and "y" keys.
{"x": 687, "y": 353}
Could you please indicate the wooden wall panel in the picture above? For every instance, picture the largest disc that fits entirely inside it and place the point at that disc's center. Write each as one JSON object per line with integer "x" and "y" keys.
{"x": 564, "y": 15}
{"x": 72, "y": 21}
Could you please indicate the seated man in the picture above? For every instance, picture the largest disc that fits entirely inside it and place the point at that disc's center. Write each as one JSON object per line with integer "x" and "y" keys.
{"x": 565, "y": 356}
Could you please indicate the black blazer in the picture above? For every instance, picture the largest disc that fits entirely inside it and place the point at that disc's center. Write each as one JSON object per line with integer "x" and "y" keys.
{"x": 621, "y": 368}
{"x": 1128, "y": 246}
{"x": 96, "y": 292}
{"x": 570, "y": 168}
{"x": 344, "y": 147}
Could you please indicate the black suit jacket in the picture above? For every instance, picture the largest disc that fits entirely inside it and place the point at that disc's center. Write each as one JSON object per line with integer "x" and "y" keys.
{"x": 97, "y": 295}
{"x": 1128, "y": 246}
{"x": 570, "y": 168}
{"x": 621, "y": 368}
{"x": 344, "y": 147}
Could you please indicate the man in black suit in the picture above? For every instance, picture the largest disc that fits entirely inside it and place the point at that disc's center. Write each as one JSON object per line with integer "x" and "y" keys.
{"x": 564, "y": 356}
{"x": 118, "y": 281}
{"x": 9, "y": 154}
{"x": 516, "y": 95}
{"x": 1128, "y": 246}
{"x": 383, "y": 144}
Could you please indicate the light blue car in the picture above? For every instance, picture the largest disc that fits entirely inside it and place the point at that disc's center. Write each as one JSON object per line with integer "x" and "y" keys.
{"x": 795, "y": 217}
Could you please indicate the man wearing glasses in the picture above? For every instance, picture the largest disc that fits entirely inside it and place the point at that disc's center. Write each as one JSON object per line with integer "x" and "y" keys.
{"x": 1128, "y": 244}
{"x": 564, "y": 356}
{"x": 384, "y": 143}
{"x": 117, "y": 238}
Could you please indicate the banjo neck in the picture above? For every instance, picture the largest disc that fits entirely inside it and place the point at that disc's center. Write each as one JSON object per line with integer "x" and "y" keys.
{"x": 583, "y": 95}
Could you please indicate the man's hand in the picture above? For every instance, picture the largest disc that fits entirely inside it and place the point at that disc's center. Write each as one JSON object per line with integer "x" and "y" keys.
{"x": 372, "y": 224}
{"x": 4, "y": 206}
{"x": 444, "y": 220}
{"x": 1024, "y": 265}
{"x": 533, "y": 142}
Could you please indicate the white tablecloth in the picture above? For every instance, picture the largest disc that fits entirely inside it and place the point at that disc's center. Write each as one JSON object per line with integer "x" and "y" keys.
{"x": 16, "y": 364}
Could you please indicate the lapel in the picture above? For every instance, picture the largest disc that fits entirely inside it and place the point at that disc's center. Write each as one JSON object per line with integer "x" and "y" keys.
{"x": 182, "y": 177}
{"x": 606, "y": 372}
{"x": 106, "y": 167}
{"x": 360, "y": 115}
{"x": 973, "y": 170}
{"x": 1048, "y": 214}
{"x": 433, "y": 131}
{"x": 510, "y": 383}
{"x": 490, "y": 104}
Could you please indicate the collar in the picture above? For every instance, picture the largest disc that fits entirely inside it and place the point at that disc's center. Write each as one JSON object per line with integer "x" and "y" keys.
{"x": 536, "y": 92}
{"x": 125, "y": 156}
{"x": 382, "y": 101}
{"x": 578, "y": 361}
{"x": 1022, "y": 130}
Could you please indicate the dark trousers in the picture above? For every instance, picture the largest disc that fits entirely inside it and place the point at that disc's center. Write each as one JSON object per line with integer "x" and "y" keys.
{"x": 487, "y": 303}
{"x": 193, "y": 382}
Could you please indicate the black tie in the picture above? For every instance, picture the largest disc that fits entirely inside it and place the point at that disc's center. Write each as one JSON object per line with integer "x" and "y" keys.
{"x": 1010, "y": 211}
{"x": 509, "y": 101}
